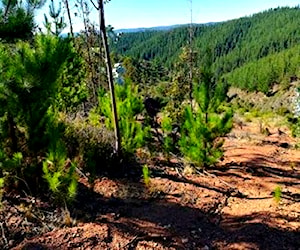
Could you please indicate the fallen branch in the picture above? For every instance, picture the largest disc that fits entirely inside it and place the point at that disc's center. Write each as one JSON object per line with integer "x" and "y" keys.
{"x": 233, "y": 190}
{"x": 3, "y": 233}
{"x": 133, "y": 240}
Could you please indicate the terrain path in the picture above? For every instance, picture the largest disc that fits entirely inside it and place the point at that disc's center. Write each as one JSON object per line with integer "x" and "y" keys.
{"x": 232, "y": 206}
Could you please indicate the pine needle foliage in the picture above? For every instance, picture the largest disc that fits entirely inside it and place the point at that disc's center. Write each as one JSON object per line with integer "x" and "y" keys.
{"x": 29, "y": 85}
{"x": 17, "y": 19}
{"x": 60, "y": 174}
{"x": 169, "y": 140}
{"x": 30, "y": 97}
{"x": 206, "y": 123}
{"x": 73, "y": 84}
{"x": 8, "y": 164}
{"x": 58, "y": 169}
{"x": 57, "y": 20}
{"x": 10, "y": 168}
{"x": 129, "y": 105}
{"x": 146, "y": 175}
{"x": 18, "y": 25}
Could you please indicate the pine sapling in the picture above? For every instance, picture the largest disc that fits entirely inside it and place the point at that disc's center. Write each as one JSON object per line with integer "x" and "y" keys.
{"x": 129, "y": 105}
{"x": 204, "y": 126}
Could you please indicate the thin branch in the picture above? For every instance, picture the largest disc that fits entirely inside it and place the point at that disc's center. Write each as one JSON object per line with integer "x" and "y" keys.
{"x": 7, "y": 8}
{"x": 3, "y": 233}
{"x": 95, "y": 6}
{"x": 69, "y": 16}
{"x": 233, "y": 190}
{"x": 24, "y": 183}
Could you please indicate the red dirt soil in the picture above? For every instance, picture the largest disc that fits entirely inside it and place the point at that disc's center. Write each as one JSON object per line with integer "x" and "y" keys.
{"x": 231, "y": 206}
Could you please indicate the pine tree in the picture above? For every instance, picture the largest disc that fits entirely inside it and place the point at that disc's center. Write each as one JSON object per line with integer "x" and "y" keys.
{"x": 57, "y": 19}
{"x": 29, "y": 84}
{"x": 205, "y": 125}
{"x": 17, "y": 20}
{"x": 129, "y": 104}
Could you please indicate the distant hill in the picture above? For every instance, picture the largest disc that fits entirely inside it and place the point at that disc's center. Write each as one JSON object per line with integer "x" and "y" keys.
{"x": 157, "y": 28}
{"x": 233, "y": 44}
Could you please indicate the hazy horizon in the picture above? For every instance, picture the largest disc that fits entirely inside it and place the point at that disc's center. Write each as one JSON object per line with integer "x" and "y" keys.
{"x": 133, "y": 14}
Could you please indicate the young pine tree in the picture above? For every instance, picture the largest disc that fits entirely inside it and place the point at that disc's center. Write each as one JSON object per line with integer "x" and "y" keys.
{"x": 129, "y": 105}
{"x": 206, "y": 123}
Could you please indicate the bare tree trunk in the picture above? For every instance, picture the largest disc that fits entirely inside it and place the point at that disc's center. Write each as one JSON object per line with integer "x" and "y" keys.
{"x": 12, "y": 133}
{"x": 110, "y": 77}
{"x": 191, "y": 55}
{"x": 69, "y": 16}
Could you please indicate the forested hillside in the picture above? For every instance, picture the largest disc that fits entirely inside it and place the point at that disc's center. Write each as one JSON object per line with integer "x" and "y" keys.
{"x": 232, "y": 44}
{"x": 258, "y": 75}
{"x": 148, "y": 45}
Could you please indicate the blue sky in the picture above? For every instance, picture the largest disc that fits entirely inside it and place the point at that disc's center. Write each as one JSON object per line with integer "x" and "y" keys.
{"x": 150, "y": 13}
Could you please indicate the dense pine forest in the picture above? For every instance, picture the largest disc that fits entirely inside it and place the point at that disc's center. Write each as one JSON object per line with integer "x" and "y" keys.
{"x": 234, "y": 46}
{"x": 149, "y": 139}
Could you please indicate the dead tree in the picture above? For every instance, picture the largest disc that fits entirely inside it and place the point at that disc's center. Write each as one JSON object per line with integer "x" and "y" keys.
{"x": 191, "y": 59}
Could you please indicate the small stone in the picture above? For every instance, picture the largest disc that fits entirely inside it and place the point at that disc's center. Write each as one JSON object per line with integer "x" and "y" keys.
{"x": 11, "y": 243}
{"x": 185, "y": 240}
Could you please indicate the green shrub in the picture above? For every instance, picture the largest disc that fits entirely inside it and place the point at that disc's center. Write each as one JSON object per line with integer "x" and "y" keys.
{"x": 146, "y": 175}
{"x": 169, "y": 137}
{"x": 58, "y": 169}
{"x": 294, "y": 123}
{"x": 73, "y": 87}
{"x": 11, "y": 169}
{"x": 277, "y": 194}
{"x": 91, "y": 145}
{"x": 59, "y": 173}
{"x": 10, "y": 164}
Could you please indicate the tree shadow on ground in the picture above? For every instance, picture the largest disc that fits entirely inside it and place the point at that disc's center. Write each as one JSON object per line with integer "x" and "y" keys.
{"x": 252, "y": 229}
{"x": 261, "y": 166}
{"x": 176, "y": 225}
{"x": 224, "y": 191}
{"x": 182, "y": 227}
{"x": 294, "y": 197}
